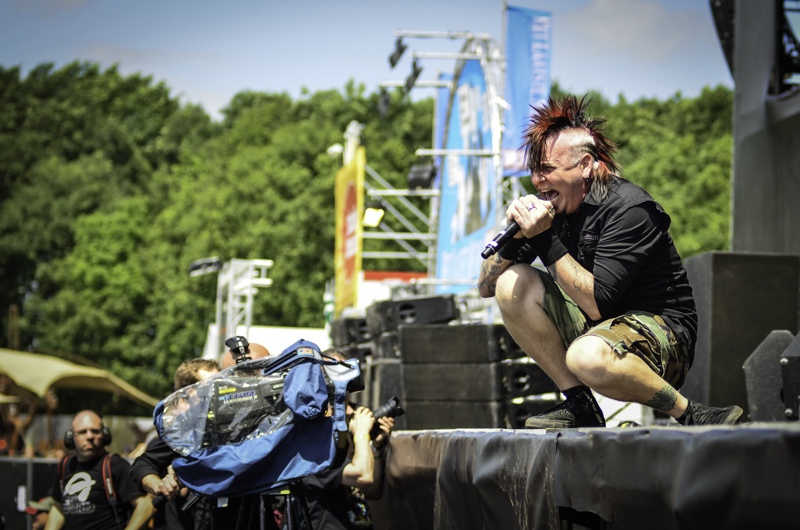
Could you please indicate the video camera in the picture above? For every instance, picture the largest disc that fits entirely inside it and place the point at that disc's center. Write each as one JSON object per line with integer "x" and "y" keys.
{"x": 390, "y": 409}
{"x": 240, "y": 404}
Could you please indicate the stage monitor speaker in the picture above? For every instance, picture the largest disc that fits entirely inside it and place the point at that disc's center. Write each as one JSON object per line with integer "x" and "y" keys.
{"x": 384, "y": 382}
{"x": 358, "y": 351}
{"x": 349, "y": 331}
{"x": 387, "y": 315}
{"x": 452, "y": 382}
{"x": 523, "y": 377}
{"x": 454, "y": 415}
{"x": 741, "y": 297}
{"x": 387, "y": 346}
{"x": 519, "y": 409}
{"x": 468, "y": 343}
{"x": 762, "y": 376}
{"x": 790, "y": 378}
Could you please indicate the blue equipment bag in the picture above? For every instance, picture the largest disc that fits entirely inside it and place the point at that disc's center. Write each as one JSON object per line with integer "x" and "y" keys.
{"x": 260, "y": 424}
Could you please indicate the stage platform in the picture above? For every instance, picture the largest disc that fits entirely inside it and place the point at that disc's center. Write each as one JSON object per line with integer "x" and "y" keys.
{"x": 745, "y": 477}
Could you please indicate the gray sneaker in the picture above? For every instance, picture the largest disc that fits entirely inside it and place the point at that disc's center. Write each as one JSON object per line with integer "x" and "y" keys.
{"x": 704, "y": 415}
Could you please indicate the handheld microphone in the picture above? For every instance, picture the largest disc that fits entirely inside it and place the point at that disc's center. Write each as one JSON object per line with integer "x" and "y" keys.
{"x": 500, "y": 239}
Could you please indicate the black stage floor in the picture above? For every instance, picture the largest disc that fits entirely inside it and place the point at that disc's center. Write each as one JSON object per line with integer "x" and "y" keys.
{"x": 746, "y": 476}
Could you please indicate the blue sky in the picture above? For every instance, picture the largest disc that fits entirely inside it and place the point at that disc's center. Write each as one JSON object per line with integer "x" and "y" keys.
{"x": 206, "y": 51}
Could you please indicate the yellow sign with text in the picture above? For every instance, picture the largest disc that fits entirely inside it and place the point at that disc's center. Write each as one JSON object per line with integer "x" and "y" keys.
{"x": 349, "y": 207}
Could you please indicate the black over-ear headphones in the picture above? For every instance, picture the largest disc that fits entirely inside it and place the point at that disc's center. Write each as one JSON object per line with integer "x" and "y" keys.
{"x": 69, "y": 437}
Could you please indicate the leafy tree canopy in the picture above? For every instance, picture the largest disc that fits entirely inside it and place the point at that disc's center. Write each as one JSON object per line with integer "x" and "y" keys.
{"x": 109, "y": 188}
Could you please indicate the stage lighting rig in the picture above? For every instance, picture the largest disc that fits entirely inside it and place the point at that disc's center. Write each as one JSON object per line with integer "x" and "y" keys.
{"x": 412, "y": 77}
{"x": 421, "y": 176}
{"x": 399, "y": 48}
{"x": 383, "y": 102}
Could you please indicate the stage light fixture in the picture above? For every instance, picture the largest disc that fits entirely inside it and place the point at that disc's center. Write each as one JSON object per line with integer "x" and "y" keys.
{"x": 373, "y": 214}
{"x": 205, "y": 266}
{"x": 399, "y": 48}
{"x": 412, "y": 77}
{"x": 421, "y": 176}
{"x": 383, "y": 103}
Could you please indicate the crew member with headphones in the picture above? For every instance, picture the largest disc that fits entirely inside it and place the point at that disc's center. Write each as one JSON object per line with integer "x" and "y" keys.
{"x": 93, "y": 489}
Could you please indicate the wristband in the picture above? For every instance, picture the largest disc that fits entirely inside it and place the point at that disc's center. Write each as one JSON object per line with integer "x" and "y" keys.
{"x": 510, "y": 250}
{"x": 548, "y": 247}
{"x": 362, "y": 436}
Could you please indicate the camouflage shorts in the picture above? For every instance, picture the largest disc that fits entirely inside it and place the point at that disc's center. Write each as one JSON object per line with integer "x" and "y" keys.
{"x": 643, "y": 334}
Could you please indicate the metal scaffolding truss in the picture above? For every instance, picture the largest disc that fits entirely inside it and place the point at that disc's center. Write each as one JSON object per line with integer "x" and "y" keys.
{"x": 418, "y": 240}
{"x": 237, "y": 284}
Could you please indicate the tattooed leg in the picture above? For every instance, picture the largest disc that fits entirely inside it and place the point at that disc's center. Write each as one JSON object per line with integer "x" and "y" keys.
{"x": 664, "y": 400}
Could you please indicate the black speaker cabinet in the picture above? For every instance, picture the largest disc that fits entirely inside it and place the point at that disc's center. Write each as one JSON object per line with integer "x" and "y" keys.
{"x": 387, "y": 345}
{"x": 349, "y": 331}
{"x": 523, "y": 377}
{"x": 422, "y": 415}
{"x": 468, "y": 343}
{"x": 520, "y": 409}
{"x": 387, "y": 315}
{"x": 383, "y": 381}
{"x": 741, "y": 297}
{"x": 452, "y": 382}
{"x": 762, "y": 376}
{"x": 358, "y": 351}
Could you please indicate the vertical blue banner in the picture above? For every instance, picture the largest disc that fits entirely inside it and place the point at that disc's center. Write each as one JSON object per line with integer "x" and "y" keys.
{"x": 528, "y": 52}
{"x": 467, "y": 209}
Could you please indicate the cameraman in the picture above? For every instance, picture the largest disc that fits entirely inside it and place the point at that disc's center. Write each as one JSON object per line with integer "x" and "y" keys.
{"x": 152, "y": 470}
{"x": 335, "y": 499}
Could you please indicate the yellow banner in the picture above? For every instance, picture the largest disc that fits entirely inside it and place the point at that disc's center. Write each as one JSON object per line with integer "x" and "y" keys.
{"x": 349, "y": 209}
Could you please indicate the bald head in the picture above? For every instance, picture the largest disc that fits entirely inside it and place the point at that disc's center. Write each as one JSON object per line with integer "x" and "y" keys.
{"x": 257, "y": 351}
{"x": 87, "y": 435}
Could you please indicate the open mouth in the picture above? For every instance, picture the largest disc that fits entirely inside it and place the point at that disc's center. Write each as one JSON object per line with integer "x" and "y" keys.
{"x": 549, "y": 195}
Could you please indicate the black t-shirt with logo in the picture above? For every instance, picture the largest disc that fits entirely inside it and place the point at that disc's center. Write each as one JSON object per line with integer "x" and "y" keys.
{"x": 84, "y": 502}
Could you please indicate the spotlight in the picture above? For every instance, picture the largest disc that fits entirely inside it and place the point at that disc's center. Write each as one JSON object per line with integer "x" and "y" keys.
{"x": 383, "y": 103}
{"x": 373, "y": 214}
{"x": 399, "y": 48}
{"x": 421, "y": 176}
{"x": 412, "y": 77}
{"x": 205, "y": 266}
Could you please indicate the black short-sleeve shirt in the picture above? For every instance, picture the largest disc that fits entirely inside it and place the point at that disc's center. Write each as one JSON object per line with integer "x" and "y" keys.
{"x": 84, "y": 502}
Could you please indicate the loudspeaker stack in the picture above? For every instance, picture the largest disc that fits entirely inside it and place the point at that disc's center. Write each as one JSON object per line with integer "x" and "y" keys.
{"x": 469, "y": 376}
{"x": 446, "y": 375}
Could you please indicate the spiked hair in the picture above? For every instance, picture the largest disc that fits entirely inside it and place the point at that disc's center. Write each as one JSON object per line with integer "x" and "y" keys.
{"x": 569, "y": 114}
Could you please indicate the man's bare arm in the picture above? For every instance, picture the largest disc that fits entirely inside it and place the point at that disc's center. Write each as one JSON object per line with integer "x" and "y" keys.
{"x": 577, "y": 282}
{"x": 491, "y": 269}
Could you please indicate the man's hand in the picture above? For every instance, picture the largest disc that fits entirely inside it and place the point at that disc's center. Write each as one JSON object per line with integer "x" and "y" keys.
{"x": 532, "y": 214}
{"x": 386, "y": 424}
{"x": 361, "y": 423}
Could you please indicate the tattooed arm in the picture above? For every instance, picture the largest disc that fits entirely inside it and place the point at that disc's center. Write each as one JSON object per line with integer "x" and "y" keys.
{"x": 491, "y": 269}
{"x": 577, "y": 282}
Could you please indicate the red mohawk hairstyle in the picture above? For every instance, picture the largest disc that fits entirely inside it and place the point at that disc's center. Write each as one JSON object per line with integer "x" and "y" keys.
{"x": 569, "y": 113}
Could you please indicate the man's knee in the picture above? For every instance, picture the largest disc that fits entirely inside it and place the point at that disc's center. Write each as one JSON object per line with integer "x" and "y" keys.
{"x": 589, "y": 358}
{"x": 516, "y": 284}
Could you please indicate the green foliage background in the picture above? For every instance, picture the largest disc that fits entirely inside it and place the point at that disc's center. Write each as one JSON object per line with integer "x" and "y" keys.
{"x": 109, "y": 188}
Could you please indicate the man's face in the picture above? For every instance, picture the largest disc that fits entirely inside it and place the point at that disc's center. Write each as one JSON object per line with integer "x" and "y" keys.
{"x": 562, "y": 181}
{"x": 87, "y": 432}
